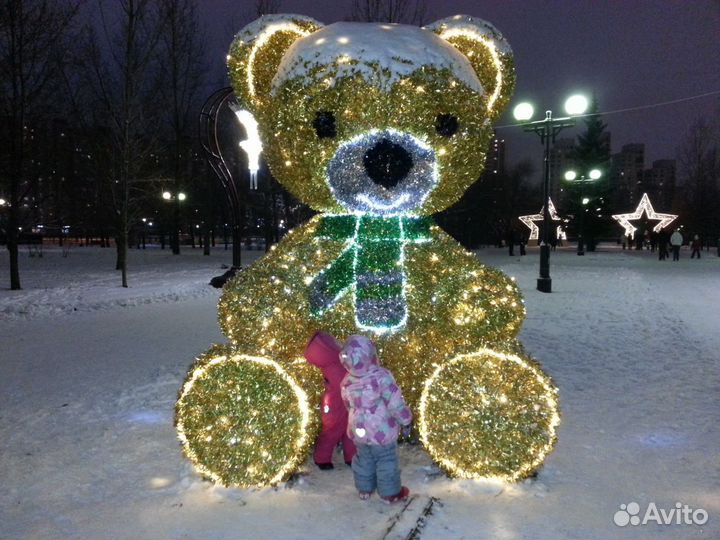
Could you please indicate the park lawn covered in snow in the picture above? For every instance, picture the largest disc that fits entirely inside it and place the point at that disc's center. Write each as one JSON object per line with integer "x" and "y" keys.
{"x": 89, "y": 373}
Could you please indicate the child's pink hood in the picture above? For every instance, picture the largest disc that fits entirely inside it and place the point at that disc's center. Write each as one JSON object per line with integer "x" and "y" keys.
{"x": 359, "y": 356}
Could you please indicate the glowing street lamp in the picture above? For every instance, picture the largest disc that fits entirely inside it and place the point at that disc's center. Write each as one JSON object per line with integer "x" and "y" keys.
{"x": 523, "y": 112}
{"x": 169, "y": 196}
{"x": 572, "y": 176}
{"x": 575, "y": 105}
{"x": 547, "y": 129}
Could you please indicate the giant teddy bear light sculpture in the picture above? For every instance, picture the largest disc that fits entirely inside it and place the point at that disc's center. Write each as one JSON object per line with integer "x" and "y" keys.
{"x": 376, "y": 126}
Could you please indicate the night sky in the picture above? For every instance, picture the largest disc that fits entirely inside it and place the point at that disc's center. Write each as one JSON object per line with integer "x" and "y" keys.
{"x": 629, "y": 53}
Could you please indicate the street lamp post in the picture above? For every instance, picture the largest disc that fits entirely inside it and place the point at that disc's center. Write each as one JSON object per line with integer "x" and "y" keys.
{"x": 547, "y": 129}
{"x": 144, "y": 231}
{"x": 571, "y": 176}
{"x": 176, "y": 200}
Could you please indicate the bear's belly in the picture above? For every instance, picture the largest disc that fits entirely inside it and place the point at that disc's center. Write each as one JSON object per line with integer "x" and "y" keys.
{"x": 455, "y": 305}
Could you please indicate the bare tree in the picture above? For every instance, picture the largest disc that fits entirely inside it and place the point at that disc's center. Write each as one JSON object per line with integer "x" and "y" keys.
{"x": 123, "y": 82}
{"x": 183, "y": 67}
{"x": 390, "y": 11}
{"x": 33, "y": 34}
{"x": 699, "y": 168}
{"x": 266, "y": 7}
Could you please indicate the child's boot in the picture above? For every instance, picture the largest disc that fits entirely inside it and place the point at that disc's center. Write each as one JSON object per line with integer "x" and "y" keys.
{"x": 403, "y": 495}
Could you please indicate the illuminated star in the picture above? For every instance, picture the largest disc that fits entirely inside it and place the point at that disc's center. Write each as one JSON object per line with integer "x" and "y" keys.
{"x": 644, "y": 207}
{"x": 530, "y": 220}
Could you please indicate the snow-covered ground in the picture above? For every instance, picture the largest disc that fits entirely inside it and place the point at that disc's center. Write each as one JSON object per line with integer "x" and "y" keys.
{"x": 89, "y": 373}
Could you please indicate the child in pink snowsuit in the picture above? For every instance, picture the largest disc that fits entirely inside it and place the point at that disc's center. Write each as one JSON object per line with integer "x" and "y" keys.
{"x": 377, "y": 410}
{"x": 323, "y": 351}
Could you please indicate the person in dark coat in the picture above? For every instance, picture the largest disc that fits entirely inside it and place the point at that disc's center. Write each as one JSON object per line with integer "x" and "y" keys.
{"x": 662, "y": 239}
{"x": 696, "y": 246}
{"x": 511, "y": 242}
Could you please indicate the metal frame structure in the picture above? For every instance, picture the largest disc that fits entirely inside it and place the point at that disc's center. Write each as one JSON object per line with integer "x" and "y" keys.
{"x": 208, "y": 133}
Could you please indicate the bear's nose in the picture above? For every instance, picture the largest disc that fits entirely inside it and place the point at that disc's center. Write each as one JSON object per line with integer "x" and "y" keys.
{"x": 387, "y": 163}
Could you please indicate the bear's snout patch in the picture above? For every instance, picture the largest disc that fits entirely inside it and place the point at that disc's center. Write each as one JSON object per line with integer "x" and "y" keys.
{"x": 383, "y": 172}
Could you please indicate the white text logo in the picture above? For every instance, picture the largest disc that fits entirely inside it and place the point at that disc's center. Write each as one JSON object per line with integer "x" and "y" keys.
{"x": 680, "y": 514}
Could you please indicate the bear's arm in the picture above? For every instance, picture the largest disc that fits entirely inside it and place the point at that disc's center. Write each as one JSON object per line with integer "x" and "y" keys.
{"x": 477, "y": 303}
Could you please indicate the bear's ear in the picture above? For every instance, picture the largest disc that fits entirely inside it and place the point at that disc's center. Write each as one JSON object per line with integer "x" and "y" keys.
{"x": 489, "y": 54}
{"x": 257, "y": 50}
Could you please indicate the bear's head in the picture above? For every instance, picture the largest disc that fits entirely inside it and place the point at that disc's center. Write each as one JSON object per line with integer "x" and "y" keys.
{"x": 380, "y": 119}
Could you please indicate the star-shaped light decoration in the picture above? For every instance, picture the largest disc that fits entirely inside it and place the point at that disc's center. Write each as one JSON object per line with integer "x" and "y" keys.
{"x": 644, "y": 207}
{"x": 530, "y": 220}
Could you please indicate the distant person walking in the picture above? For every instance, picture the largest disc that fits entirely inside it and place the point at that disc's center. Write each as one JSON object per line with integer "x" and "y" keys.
{"x": 695, "y": 245}
{"x": 662, "y": 245}
{"x": 676, "y": 240}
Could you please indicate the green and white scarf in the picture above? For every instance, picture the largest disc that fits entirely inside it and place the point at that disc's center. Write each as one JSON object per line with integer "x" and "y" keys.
{"x": 371, "y": 265}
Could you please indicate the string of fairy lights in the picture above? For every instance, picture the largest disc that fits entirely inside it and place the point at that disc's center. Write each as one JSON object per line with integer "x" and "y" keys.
{"x": 451, "y": 390}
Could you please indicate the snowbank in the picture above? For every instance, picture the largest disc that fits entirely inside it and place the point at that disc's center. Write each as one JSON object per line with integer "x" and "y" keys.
{"x": 88, "y": 448}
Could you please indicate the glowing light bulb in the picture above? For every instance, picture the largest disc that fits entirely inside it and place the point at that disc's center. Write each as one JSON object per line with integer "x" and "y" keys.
{"x": 576, "y": 104}
{"x": 523, "y": 111}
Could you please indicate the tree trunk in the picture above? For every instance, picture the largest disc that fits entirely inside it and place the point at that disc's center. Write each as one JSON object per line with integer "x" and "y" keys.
{"x": 175, "y": 238}
{"x": 122, "y": 244}
{"x": 118, "y": 257}
{"x": 12, "y": 246}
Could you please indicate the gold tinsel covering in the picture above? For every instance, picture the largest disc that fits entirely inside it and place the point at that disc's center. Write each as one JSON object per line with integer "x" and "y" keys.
{"x": 488, "y": 414}
{"x": 256, "y": 53}
{"x": 246, "y": 421}
{"x": 300, "y": 159}
{"x": 248, "y": 411}
{"x": 456, "y": 305}
{"x": 485, "y": 48}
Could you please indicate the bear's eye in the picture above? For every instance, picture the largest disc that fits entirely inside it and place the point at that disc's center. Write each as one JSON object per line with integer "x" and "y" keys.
{"x": 324, "y": 124}
{"x": 446, "y": 124}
